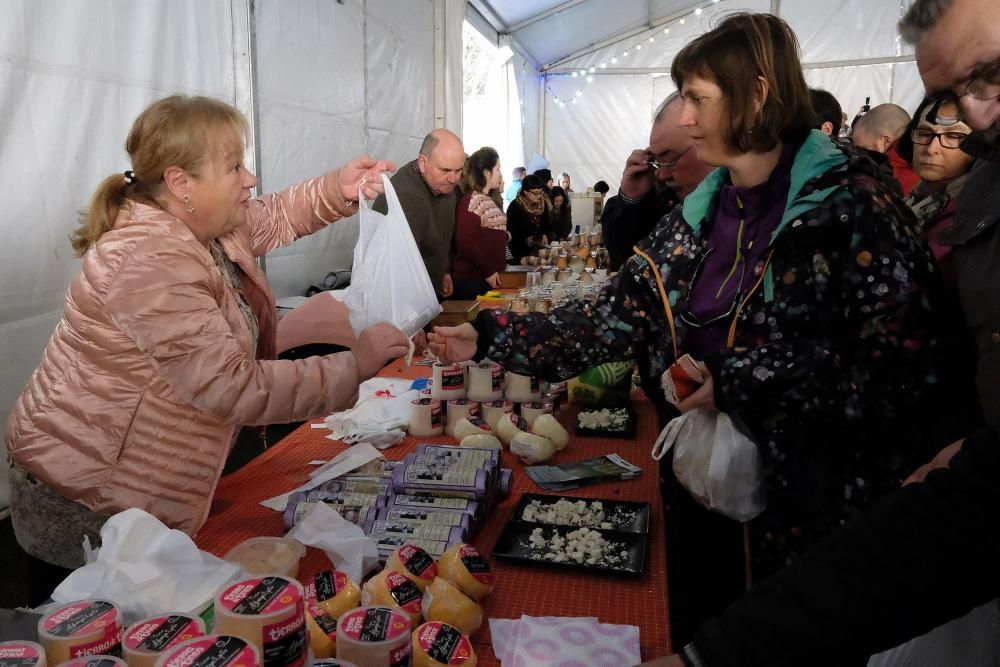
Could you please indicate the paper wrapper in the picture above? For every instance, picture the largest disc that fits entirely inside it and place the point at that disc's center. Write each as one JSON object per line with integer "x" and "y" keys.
{"x": 146, "y": 569}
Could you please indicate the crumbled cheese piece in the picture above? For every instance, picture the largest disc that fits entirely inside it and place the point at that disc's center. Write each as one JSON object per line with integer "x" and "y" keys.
{"x": 607, "y": 419}
{"x": 580, "y": 546}
{"x": 580, "y": 513}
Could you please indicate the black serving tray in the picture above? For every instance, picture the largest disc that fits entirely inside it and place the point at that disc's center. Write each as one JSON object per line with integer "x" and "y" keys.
{"x": 640, "y": 524}
{"x": 627, "y": 430}
{"x": 513, "y": 545}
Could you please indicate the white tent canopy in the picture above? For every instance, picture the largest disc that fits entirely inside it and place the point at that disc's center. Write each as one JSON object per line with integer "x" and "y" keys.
{"x": 326, "y": 80}
{"x": 849, "y": 47}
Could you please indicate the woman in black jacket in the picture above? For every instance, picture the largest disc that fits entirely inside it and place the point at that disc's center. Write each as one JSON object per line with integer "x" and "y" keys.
{"x": 529, "y": 219}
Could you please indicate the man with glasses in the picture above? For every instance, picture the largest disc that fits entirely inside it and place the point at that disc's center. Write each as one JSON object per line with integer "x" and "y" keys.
{"x": 655, "y": 180}
{"x": 931, "y": 551}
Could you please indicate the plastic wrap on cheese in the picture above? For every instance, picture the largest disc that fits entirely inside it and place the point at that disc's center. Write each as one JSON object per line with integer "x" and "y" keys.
{"x": 444, "y": 602}
{"x": 463, "y": 566}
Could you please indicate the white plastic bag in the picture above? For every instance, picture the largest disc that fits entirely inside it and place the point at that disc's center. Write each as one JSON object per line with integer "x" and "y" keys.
{"x": 389, "y": 282}
{"x": 718, "y": 465}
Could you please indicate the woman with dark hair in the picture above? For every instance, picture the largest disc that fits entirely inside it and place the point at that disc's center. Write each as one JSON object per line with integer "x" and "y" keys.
{"x": 562, "y": 213}
{"x": 480, "y": 228}
{"x": 935, "y": 153}
{"x": 793, "y": 277}
{"x": 529, "y": 218}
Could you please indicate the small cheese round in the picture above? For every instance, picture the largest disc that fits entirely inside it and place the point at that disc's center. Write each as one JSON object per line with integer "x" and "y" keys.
{"x": 322, "y": 631}
{"x": 438, "y": 644}
{"x": 444, "y": 602}
{"x": 413, "y": 563}
{"x": 334, "y": 591}
{"x": 467, "y": 426}
{"x": 481, "y": 441}
{"x": 509, "y": 426}
{"x": 532, "y": 448}
{"x": 549, "y": 427}
{"x": 389, "y": 588}
{"x": 463, "y": 566}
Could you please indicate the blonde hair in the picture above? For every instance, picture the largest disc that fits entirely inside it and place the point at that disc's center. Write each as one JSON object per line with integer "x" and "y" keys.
{"x": 179, "y": 130}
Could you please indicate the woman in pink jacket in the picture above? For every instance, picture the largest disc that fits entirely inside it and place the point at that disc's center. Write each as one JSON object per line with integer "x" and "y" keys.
{"x": 166, "y": 343}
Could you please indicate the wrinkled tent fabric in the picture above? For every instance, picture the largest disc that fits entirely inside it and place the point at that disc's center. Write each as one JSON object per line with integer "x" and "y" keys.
{"x": 335, "y": 80}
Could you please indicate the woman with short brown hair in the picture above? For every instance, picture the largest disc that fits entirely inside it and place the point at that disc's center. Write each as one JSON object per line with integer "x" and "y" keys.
{"x": 794, "y": 277}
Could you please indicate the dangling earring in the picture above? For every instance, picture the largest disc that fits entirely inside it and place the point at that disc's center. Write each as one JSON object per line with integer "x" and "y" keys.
{"x": 749, "y": 129}
{"x": 187, "y": 203}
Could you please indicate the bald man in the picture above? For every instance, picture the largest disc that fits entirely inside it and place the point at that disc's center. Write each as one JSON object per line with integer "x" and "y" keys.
{"x": 877, "y": 133}
{"x": 649, "y": 191}
{"x": 426, "y": 191}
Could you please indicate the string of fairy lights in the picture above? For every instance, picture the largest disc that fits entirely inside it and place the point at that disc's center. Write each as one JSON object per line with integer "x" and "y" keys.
{"x": 585, "y": 75}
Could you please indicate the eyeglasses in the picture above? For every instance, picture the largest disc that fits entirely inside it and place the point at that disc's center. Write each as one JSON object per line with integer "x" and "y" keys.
{"x": 984, "y": 87}
{"x": 668, "y": 165}
{"x": 924, "y": 137}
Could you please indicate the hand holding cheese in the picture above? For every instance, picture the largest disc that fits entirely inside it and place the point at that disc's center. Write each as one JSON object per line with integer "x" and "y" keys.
{"x": 376, "y": 346}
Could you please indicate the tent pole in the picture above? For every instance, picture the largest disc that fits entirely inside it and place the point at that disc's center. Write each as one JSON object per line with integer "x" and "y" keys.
{"x": 245, "y": 84}
{"x": 439, "y": 63}
{"x": 541, "y": 113}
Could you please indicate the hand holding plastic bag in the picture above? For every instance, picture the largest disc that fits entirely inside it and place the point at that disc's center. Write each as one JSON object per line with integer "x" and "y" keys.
{"x": 718, "y": 465}
{"x": 389, "y": 282}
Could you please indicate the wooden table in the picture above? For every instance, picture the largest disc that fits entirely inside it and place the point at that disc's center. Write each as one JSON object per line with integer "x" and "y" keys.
{"x": 521, "y": 589}
{"x": 513, "y": 277}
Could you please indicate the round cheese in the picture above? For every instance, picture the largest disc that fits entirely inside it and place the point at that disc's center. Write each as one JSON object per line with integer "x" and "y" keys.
{"x": 334, "y": 591}
{"x": 413, "y": 563}
{"x": 94, "y": 661}
{"x": 532, "y": 448}
{"x": 549, "y": 427}
{"x": 438, "y": 644}
{"x": 21, "y": 654}
{"x": 211, "y": 651}
{"x": 470, "y": 426}
{"x": 509, "y": 426}
{"x": 374, "y": 637}
{"x": 391, "y": 589}
{"x": 269, "y": 612}
{"x": 444, "y": 602}
{"x": 146, "y": 640}
{"x": 481, "y": 441}
{"x": 322, "y": 631}
{"x": 81, "y": 629}
{"x": 463, "y": 566}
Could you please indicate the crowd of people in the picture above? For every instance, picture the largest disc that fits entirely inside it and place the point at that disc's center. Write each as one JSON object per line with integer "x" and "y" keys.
{"x": 835, "y": 284}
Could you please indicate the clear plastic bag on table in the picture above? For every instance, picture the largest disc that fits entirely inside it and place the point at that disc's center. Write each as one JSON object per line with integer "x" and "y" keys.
{"x": 718, "y": 465}
{"x": 389, "y": 282}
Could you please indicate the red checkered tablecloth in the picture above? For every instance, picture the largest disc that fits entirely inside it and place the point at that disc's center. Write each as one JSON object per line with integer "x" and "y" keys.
{"x": 521, "y": 588}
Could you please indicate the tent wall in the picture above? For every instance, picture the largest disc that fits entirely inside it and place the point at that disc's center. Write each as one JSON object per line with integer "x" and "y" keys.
{"x": 334, "y": 80}
{"x": 619, "y": 101}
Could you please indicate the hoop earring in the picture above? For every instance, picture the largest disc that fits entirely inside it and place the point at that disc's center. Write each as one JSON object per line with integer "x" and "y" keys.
{"x": 187, "y": 203}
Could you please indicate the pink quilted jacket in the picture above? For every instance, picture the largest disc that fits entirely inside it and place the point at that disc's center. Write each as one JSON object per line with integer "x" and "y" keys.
{"x": 149, "y": 372}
